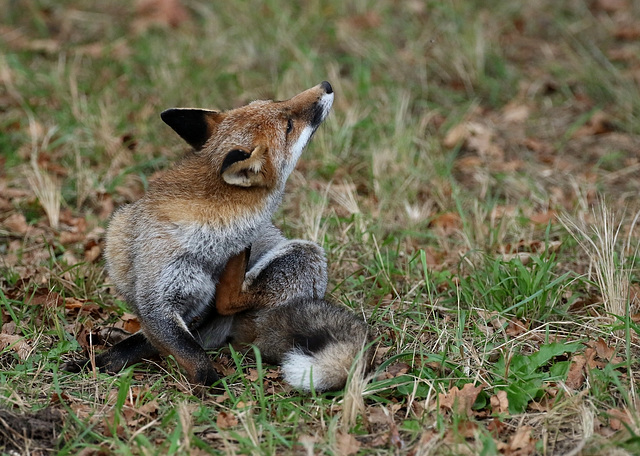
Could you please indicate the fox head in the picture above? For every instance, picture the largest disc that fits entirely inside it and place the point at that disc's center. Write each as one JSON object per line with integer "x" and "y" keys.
{"x": 256, "y": 145}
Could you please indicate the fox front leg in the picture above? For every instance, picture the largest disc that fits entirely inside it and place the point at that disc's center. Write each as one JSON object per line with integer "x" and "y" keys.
{"x": 183, "y": 295}
{"x": 292, "y": 269}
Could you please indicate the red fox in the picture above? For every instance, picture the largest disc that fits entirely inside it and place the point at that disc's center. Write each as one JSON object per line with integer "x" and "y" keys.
{"x": 211, "y": 214}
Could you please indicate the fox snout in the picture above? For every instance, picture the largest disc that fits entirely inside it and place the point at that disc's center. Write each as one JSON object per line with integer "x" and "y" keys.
{"x": 324, "y": 104}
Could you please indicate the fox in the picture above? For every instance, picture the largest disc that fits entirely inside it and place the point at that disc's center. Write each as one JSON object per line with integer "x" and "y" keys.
{"x": 201, "y": 264}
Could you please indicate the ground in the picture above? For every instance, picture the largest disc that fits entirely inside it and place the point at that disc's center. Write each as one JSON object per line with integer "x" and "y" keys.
{"x": 476, "y": 189}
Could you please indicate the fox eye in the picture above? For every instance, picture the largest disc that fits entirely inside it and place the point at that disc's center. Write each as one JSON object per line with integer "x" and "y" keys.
{"x": 289, "y": 126}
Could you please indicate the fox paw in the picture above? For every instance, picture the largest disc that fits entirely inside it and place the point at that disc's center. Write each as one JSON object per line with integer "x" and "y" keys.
{"x": 76, "y": 366}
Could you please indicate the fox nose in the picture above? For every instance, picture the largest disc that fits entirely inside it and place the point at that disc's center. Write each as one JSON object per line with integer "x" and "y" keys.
{"x": 327, "y": 87}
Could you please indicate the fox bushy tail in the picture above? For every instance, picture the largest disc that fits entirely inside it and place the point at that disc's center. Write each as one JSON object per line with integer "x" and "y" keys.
{"x": 316, "y": 342}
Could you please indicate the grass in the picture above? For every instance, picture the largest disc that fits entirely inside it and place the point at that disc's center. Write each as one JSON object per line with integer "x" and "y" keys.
{"x": 473, "y": 189}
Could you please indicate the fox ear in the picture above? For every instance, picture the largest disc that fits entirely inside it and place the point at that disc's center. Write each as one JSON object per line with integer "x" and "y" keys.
{"x": 246, "y": 169}
{"x": 195, "y": 126}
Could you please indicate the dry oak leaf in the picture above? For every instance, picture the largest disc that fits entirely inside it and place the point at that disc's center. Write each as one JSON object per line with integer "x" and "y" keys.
{"x": 606, "y": 352}
{"x": 365, "y": 21}
{"x": 17, "y": 223}
{"x": 617, "y": 417}
{"x": 499, "y": 403}
{"x": 164, "y": 13}
{"x": 542, "y": 218}
{"x": 397, "y": 369}
{"x": 480, "y": 139}
{"x": 69, "y": 237}
{"x": 598, "y": 124}
{"x": 515, "y": 112}
{"x": 448, "y": 222}
{"x": 592, "y": 362}
{"x": 496, "y": 427}
{"x": 456, "y": 135}
{"x": 226, "y": 420}
{"x": 50, "y": 300}
{"x": 252, "y": 375}
{"x": 460, "y": 400}
{"x": 522, "y": 442}
{"x": 575, "y": 377}
{"x": 377, "y": 415}
{"x": 515, "y": 328}
{"x": 346, "y": 444}
{"x": 17, "y": 343}
{"x": 130, "y": 322}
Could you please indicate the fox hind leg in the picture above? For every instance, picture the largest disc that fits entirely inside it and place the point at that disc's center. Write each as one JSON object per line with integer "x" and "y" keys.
{"x": 129, "y": 351}
{"x": 292, "y": 269}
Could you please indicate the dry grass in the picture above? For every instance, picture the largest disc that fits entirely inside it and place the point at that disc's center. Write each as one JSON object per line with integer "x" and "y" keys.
{"x": 608, "y": 254}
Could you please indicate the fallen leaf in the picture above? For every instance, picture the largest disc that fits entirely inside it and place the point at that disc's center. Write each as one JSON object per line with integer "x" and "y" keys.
{"x": 447, "y": 222}
{"x": 368, "y": 20}
{"x": 590, "y": 356}
{"x": 456, "y": 135}
{"x": 542, "y": 218}
{"x": 496, "y": 427}
{"x": 226, "y": 420}
{"x": 603, "y": 350}
{"x": 272, "y": 374}
{"x": 515, "y": 112}
{"x": 460, "y": 401}
{"x": 398, "y": 369}
{"x": 109, "y": 426}
{"x": 16, "y": 223}
{"x": 346, "y": 444}
{"x": 467, "y": 428}
{"x": 92, "y": 252}
{"x": 617, "y": 417}
{"x": 499, "y": 403}
{"x": 50, "y": 300}
{"x": 106, "y": 205}
{"x": 481, "y": 140}
{"x": 516, "y": 328}
{"x": 163, "y": 13}
{"x": 544, "y": 405}
{"x": 522, "y": 440}
{"x": 130, "y": 323}
{"x": 575, "y": 377}
{"x": 222, "y": 397}
{"x": 9, "y": 328}
{"x": 598, "y": 124}
{"x": 149, "y": 409}
{"x": 376, "y": 415}
{"x": 17, "y": 344}
{"x": 252, "y": 375}
{"x": 394, "y": 435}
{"x": 469, "y": 163}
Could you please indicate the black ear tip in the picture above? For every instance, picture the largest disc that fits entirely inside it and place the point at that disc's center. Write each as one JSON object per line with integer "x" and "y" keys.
{"x": 168, "y": 114}
{"x": 190, "y": 124}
